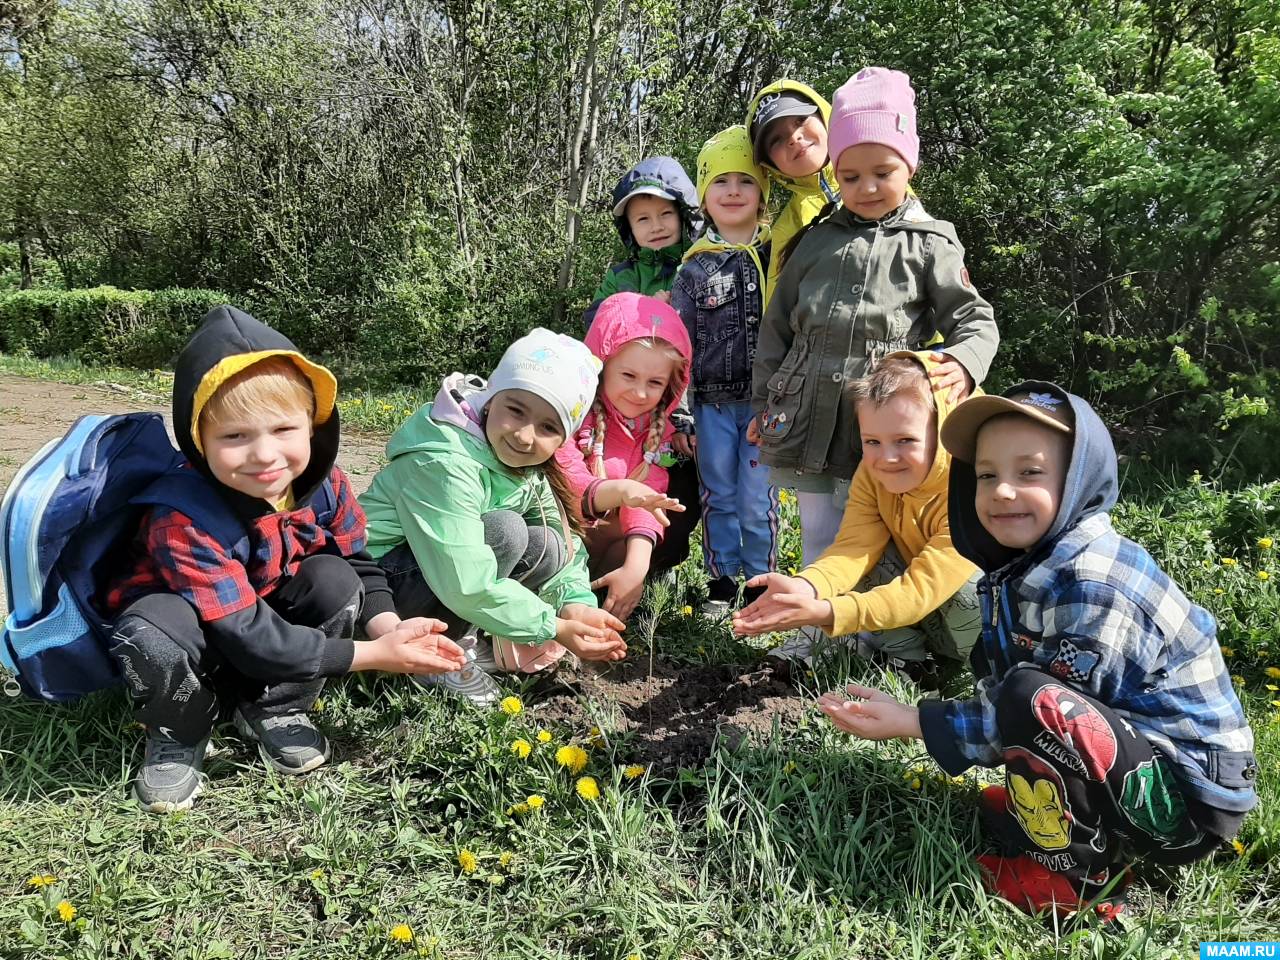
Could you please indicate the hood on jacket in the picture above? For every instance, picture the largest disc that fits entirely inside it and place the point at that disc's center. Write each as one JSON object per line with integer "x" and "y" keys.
{"x": 624, "y": 317}
{"x": 1091, "y": 485}
{"x": 825, "y": 179}
{"x": 226, "y": 342}
{"x": 659, "y": 177}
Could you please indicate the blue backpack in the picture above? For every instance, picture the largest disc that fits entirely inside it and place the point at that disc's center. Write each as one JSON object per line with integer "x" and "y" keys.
{"x": 67, "y": 521}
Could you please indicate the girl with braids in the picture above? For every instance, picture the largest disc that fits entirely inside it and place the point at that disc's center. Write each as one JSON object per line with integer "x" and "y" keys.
{"x": 617, "y": 461}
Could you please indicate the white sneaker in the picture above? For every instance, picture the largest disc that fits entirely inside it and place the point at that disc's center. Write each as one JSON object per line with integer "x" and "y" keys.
{"x": 472, "y": 683}
{"x": 716, "y": 610}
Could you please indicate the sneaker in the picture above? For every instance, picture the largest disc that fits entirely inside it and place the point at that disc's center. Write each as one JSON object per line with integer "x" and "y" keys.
{"x": 750, "y": 595}
{"x": 722, "y": 593}
{"x": 1035, "y": 889}
{"x": 471, "y": 683}
{"x": 288, "y": 741}
{"x": 169, "y": 778}
{"x": 799, "y": 647}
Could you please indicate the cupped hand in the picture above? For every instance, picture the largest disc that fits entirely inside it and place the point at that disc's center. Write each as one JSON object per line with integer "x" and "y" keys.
{"x": 625, "y": 588}
{"x": 591, "y": 633}
{"x": 871, "y": 714}
{"x": 786, "y": 603}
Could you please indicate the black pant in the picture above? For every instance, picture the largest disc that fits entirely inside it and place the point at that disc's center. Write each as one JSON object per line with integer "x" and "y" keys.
{"x": 682, "y": 485}
{"x": 529, "y": 554}
{"x": 181, "y": 682}
{"x": 1087, "y": 793}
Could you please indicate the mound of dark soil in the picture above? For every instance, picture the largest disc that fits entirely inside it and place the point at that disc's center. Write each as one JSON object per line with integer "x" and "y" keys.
{"x": 669, "y": 714}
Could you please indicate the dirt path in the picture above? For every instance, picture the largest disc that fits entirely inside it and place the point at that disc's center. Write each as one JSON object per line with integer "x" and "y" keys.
{"x": 33, "y": 412}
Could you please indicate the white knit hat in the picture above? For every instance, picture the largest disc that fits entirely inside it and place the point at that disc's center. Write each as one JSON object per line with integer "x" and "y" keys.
{"x": 557, "y": 368}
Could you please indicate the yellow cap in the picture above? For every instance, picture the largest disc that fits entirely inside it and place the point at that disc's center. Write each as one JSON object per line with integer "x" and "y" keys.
{"x": 729, "y": 151}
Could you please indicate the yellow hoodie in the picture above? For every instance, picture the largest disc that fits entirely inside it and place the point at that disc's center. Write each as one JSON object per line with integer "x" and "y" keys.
{"x": 917, "y": 523}
{"x": 808, "y": 194}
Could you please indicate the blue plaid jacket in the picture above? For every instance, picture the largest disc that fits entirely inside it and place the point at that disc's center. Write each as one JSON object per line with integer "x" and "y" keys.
{"x": 1097, "y": 613}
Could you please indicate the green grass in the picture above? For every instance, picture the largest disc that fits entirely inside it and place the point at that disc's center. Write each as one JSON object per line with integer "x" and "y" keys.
{"x": 810, "y": 845}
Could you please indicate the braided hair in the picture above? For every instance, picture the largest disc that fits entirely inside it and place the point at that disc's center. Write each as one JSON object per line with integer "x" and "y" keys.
{"x": 657, "y": 417}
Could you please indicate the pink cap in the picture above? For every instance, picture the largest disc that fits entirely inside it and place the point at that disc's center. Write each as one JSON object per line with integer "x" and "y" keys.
{"x": 876, "y": 105}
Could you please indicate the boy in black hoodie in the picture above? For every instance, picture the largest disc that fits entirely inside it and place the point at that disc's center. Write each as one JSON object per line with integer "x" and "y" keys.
{"x": 249, "y": 572}
{"x": 1101, "y": 688}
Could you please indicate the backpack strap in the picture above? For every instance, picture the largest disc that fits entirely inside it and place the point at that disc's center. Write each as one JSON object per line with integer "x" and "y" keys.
{"x": 186, "y": 491}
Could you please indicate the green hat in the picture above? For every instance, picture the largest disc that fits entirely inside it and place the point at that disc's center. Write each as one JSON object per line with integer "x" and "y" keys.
{"x": 729, "y": 151}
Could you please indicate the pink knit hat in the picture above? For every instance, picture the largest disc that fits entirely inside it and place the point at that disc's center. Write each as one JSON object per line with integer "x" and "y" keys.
{"x": 876, "y": 105}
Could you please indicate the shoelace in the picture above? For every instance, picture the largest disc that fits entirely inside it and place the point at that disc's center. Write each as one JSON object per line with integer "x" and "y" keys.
{"x": 168, "y": 752}
{"x": 290, "y": 724}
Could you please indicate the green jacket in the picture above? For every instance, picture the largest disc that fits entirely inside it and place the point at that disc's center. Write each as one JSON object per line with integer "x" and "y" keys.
{"x": 853, "y": 291}
{"x": 442, "y": 478}
{"x": 646, "y": 271}
{"x": 808, "y": 195}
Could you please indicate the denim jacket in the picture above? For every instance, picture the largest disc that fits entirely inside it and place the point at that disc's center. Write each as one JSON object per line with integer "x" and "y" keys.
{"x": 720, "y": 295}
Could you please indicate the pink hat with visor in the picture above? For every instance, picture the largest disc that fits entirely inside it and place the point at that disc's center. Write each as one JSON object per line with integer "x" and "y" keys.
{"x": 876, "y": 105}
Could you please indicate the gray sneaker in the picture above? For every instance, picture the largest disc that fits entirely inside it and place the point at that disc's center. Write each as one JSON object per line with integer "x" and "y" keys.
{"x": 169, "y": 778}
{"x": 470, "y": 683}
{"x": 799, "y": 647}
{"x": 289, "y": 742}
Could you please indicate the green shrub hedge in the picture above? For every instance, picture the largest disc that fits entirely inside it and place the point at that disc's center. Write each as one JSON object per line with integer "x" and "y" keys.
{"x": 103, "y": 325}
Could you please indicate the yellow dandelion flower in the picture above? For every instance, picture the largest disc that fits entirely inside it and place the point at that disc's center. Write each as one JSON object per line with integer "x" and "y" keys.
{"x": 1218, "y": 591}
{"x": 633, "y": 771}
{"x": 467, "y": 861}
{"x": 1275, "y": 703}
{"x": 687, "y": 610}
{"x": 1228, "y": 561}
{"x": 1272, "y": 672}
{"x": 517, "y": 809}
{"x": 535, "y": 801}
{"x": 587, "y": 788}
{"x": 66, "y": 911}
{"x": 789, "y": 767}
{"x": 1272, "y": 687}
{"x": 1263, "y": 575}
{"x": 544, "y": 736}
{"x": 596, "y": 737}
{"x": 791, "y": 571}
{"x": 1228, "y": 651}
{"x": 1238, "y": 847}
{"x": 317, "y": 874}
{"x": 1265, "y": 543}
{"x": 42, "y": 880}
{"x": 401, "y": 933}
{"x": 1237, "y": 680}
{"x": 505, "y": 859}
{"x": 511, "y": 706}
{"x": 916, "y": 783}
{"x": 319, "y": 705}
{"x": 521, "y": 748}
{"x": 574, "y": 759}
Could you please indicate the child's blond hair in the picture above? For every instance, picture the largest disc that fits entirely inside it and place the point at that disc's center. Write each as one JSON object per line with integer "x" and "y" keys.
{"x": 657, "y": 419}
{"x": 890, "y": 378}
{"x": 274, "y": 384}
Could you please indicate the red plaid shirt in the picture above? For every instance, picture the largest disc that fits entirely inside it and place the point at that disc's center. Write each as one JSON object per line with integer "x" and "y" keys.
{"x": 176, "y": 557}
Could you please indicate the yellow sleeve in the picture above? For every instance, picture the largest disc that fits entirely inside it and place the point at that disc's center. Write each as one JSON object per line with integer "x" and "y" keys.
{"x": 931, "y": 579}
{"x": 859, "y": 543}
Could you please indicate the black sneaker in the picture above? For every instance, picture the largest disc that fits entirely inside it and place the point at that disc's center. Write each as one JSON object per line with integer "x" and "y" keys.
{"x": 289, "y": 742}
{"x": 722, "y": 594}
{"x": 169, "y": 778}
{"x": 751, "y": 594}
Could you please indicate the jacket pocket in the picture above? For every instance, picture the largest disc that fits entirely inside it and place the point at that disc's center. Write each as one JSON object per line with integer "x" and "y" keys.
{"x": 1234, "y": 769}
{"x": 786, "y": 391}
{"x": 717, "y": 301}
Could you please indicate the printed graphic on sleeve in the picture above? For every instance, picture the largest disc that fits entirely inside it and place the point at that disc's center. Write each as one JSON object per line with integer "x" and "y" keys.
{"x": 1152, "y": 801}
{"x": 1077, "y": 725}
{"x": 1072, "y": 663}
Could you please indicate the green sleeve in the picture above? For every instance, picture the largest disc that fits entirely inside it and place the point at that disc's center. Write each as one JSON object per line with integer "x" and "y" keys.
{"x": 965, "y": 320}
{"x": 440, "y": 503}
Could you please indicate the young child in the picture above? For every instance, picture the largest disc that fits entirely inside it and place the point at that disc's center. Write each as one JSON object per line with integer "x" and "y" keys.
{"x": 655, "y": 210}
{"x": 892, "y": 577}
{"x": 877, "y": 275}
{"x": 259, "y": 626}
{"x": 787, "y": 123}
{"x": 472, "y": 522}
{"x": 627, "y": 435}
{"x": 1101, "y": 688}
{"x": 720, "y": 294}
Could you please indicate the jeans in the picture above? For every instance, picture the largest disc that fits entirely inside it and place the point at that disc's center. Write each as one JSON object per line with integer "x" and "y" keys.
{"x": 739, "y": 506}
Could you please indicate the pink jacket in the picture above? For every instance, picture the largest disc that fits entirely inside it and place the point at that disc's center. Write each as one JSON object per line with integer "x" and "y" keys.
{"x": 622, "y": 318}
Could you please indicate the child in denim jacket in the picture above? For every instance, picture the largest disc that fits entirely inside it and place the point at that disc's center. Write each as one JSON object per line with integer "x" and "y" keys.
{"x": 720, "y": 295}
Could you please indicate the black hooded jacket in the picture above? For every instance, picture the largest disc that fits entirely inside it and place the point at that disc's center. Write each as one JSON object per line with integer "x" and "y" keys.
{"x": 227, "y": 585}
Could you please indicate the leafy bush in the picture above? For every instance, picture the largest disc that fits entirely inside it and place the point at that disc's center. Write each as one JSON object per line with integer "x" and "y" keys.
{"x": 103, "y": 325}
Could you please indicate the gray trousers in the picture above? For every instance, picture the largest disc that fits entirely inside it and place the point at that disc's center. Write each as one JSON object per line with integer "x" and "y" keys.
{"x": 948, "y": 633}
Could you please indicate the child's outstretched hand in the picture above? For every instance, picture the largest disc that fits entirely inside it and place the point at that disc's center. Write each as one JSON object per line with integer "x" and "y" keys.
{"x": 871, "y": 715}
{"x": 787, "y": 602}
{"x": 642, "y": 497}
{"x": 625, "y": 586}
{"x": 417, "y": 645}
{"x": 949, "y": 373}
{"x": 591, "y": 633}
